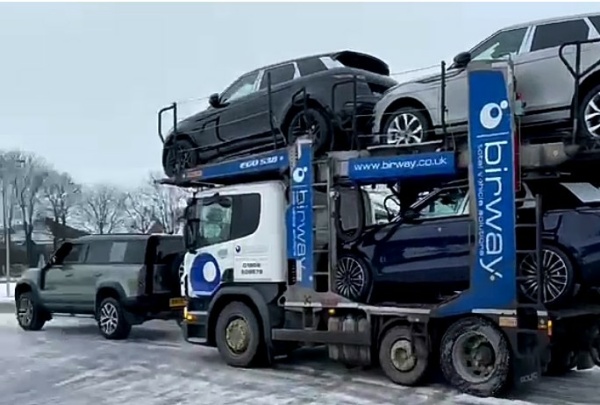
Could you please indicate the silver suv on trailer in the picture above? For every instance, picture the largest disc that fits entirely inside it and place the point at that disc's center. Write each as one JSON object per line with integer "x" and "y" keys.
{"x": 411, "y": 111}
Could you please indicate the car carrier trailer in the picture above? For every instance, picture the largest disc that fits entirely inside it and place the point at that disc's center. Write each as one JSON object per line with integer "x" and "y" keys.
{"x": 258, "y": 292}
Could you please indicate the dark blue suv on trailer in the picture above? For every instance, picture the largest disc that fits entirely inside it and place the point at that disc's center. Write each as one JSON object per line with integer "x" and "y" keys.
{"x": 426, "y": 253}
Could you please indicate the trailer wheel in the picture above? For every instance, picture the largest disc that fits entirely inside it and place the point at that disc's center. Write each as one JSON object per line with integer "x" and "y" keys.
{"x": 562, "y": 361}
{"x": 238, "y": 335}
{"x": 595, "y": 344}
{"x": 403, "y": 357}
{"x": 475, "y": 357}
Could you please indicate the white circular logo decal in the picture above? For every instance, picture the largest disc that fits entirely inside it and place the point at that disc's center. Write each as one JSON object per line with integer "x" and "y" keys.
{"x": 299, "y": 174}
{"x": 491, "y": 114}
{"x": 210, "y": 272}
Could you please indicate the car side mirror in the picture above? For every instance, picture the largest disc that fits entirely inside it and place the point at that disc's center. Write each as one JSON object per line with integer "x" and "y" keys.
{"x": 214, "y": 100}
{"x": 462, "y": 59}
{"x": 410, "y": 215}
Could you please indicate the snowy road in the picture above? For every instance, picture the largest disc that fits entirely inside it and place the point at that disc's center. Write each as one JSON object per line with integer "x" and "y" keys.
{"x": 69, "y": 363}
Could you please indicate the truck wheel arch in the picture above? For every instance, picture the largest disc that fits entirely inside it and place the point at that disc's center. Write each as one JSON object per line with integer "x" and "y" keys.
{"x": 249, "y": 296}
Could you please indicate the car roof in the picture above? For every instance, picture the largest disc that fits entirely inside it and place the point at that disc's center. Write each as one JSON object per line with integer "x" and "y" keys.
{"x": 550, "y": 20}
{"x": 333, "y": 55}
{"x": 121, "y": 237}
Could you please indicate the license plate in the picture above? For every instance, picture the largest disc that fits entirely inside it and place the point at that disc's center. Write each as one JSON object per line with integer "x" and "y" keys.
{"x": 177, "y": 302}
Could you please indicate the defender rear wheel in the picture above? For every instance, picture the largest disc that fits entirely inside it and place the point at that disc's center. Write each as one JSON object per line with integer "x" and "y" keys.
{"x": 112, "y": 322}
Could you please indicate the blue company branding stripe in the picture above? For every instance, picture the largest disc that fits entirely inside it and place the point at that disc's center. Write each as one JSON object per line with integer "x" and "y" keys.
{"x": 491, "y": 145}
{"x": 397, "y": 167}
{"x": 272, "y": 161}
{"x": 300, "y": 217}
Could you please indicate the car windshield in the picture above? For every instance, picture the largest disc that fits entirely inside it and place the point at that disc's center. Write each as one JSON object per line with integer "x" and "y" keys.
{"x": 240, "y": 88}
{"x": 500, "y": 45}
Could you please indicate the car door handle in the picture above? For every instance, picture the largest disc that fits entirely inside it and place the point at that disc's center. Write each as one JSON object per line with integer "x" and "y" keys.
{"x": 98, "y": 275}
{"x": 69, "y": 275}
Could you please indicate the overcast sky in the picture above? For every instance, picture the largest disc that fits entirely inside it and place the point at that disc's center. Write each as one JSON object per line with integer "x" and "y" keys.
{"x": 80, "y": 84}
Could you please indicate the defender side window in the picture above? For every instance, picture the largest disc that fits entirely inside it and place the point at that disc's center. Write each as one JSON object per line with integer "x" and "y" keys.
{"x": 500, "y": 45}
{"x": 446, "y": 203}
{"x": 99, "y": 252}
{"x": 76, "y": 254}
{"x": 555, "y": 34}
{"x": 117, "y": 252}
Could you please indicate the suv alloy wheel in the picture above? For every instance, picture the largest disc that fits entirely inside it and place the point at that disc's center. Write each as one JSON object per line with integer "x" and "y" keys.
{"x": 111, "y": 320}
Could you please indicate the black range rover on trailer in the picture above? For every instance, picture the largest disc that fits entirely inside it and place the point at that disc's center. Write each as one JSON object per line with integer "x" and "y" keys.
{"x": 311, "y": 93}
{"x": 120, "y": 279}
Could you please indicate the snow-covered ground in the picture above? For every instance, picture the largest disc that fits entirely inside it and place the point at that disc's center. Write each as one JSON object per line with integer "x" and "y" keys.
{"x": 7, "y": 296}
{"x": 68, "y": 363}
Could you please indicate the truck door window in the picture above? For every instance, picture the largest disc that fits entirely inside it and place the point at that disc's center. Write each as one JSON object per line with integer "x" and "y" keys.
{"x": 246, "y": 215}
{"x": 219, "y": 224}
{"x": 556, "y": 34}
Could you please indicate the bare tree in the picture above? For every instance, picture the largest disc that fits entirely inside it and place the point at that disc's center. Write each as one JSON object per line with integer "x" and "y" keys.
{"x": 168, "y": 202}
{"x": 30, "y": 174}
{"x": 141, "y": 213}
{"x": 102, "y": 209}
{"x": 62, "y": 195}
{"x": 7, "y": 175}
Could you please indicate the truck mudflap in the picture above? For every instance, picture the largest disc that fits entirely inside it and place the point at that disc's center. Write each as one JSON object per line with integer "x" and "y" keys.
{"x": 576, "y": 331}
{"x": 530, "y": 349}
{"x": 195, "y": 321}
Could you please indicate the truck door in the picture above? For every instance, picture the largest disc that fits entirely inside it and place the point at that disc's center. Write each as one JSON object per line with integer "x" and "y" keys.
{"x": 225, "y": 224}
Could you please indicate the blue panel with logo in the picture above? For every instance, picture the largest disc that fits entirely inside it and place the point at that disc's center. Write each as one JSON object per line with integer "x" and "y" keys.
{"x": 300, "y": 215}
{"x": 228, "y": 171}
{"x": 373, "y": 169}
{"x": 492, "y": 190}
{"x": 205, "y": 275}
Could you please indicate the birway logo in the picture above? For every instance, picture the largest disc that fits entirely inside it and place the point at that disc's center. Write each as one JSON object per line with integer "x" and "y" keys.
{"x": 401, "y": 164}
{"x": 491, "y": 181}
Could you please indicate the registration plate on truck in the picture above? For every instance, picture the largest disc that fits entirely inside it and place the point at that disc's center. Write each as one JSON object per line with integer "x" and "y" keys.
{"x": 177, "y": 302}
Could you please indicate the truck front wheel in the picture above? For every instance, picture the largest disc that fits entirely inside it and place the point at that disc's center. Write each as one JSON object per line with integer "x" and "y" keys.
{"x": 238, "y": 335}
{"x": 475, "y": 357}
